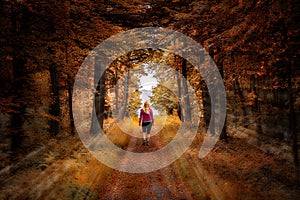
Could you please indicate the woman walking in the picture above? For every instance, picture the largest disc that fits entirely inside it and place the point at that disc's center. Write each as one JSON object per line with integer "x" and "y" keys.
{"x": 146, "y": 120}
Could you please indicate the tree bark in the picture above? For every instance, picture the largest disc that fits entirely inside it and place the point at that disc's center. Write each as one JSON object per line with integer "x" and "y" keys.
{"x": 18, "y": 65}
{"x": 117, "y": 94}
{"x": 188, "y": 115}
{"x": 223, "y": 134}
{"x": 126, "y": 88}
{"x": 206, "y": 105}
{"x": 70, "y": 93}
{"x": 101, "y": 95}
{"x": 99, "y": 98}
{"x": 180, "y": 115}
{"x": 17, "y": 118}
{"x": 72, "y": 125}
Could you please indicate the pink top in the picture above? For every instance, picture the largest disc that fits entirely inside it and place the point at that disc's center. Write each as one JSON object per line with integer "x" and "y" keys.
{"x": 145, "y": 117}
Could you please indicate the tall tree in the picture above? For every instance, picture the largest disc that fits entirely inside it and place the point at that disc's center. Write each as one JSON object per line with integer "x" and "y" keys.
{"x": 18, "y": 69}
{"x": 223, "y": 134}
{"x": 70, "y": 93}
{"x": 163, "y": 99}
{"x": 117, "y": 90}
{"x": 134, "y": 103}
{"x": 101, "y": 91}
{"x": 179, "y": 109}
{"x": 206, "y": 104}
{"x": 187, "y": 104}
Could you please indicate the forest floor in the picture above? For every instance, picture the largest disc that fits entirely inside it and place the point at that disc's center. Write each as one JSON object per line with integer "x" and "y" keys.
{"x": 65, "y": 169}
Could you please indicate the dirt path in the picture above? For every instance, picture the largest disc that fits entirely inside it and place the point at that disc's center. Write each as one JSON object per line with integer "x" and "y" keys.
{"x": 165, "y": 183}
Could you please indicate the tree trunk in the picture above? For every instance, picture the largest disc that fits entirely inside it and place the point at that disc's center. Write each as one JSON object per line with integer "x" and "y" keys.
{"x": 241, "y": 96}
{"x": 18, "y": 65}
{"x": 72, "y": 125}
{"x": 17, "y": 119}
{"x": 99, "y": 98}
{"x": 126, "y": 88}
{"x": 188, "y": 115}
{"x": 117, "y": 94}
{"x": 55, "y": 107}
{"x": 70, "y": 93}
{"x": 223, "y": 135}
{"x": 206, "y": 105}
{"x": 93, "y": 130}
{"x": 101, "y": 94}
{"x": 180, "y": 115}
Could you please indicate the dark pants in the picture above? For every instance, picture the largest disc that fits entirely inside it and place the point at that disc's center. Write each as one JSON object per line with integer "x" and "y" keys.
{"x": 146, "y": 127}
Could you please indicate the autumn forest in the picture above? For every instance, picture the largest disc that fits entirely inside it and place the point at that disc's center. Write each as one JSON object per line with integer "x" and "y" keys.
{"x": 222, "y": 78}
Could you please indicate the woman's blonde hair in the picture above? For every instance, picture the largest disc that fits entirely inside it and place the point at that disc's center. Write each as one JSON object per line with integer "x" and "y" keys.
{"x": 147, "y": 107}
